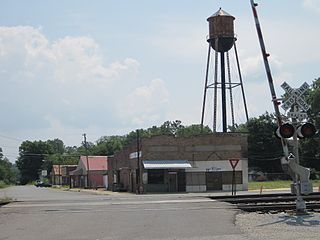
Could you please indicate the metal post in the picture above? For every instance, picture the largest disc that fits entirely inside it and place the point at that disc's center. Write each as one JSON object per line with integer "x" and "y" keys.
{"x": 223, "y": 94}
{"x": 215, "y": 93}
{"x": 269, "y": 76}
{"x": 241, "y": 83}
{"x": 230, "y": 90}
{"x": 300, "y": 203}
{"x": 205, "y": 89}
{"x": 234, "y": 184}
{"x": 140, "y": 182}
{"x": 59, "y": 174}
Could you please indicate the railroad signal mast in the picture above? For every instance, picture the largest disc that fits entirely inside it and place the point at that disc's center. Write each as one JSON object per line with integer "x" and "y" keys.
{"x": 298, "y": 128}
{"x": 297, "y": 113}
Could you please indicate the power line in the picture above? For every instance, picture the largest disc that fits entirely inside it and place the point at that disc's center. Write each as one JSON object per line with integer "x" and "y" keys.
{"x": 11, "y": 138}
{"x": 9, "y": 146}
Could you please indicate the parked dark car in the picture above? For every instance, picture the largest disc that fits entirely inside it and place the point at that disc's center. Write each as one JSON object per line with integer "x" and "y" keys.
{"x": 39, "y": 183}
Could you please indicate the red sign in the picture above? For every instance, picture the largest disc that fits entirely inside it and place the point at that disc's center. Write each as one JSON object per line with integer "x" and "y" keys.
{"x": 234, "y": 163}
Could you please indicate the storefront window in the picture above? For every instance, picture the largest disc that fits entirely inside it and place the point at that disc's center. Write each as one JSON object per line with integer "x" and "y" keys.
{"x": 156, "y": 176}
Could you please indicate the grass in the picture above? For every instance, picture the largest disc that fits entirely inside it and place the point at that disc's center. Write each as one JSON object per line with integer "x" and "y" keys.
{"x": 5, "y": 200}
{"x": 3, "y": 184}
{"x": 63, "y": 187}
{"x": 275, "y": 184}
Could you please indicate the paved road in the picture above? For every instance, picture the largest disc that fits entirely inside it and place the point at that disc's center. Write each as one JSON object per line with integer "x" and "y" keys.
{"x": 41, "y": 213}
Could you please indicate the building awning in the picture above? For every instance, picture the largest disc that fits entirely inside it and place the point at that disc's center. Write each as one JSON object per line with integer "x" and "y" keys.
{"x": 166, "y": 164}
{"x": 78, "y": 171}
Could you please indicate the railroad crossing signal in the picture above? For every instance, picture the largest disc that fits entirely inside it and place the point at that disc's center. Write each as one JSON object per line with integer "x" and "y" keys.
{"x": 295, "y": 96}
{"x": 306, "y": 130}
{"x": 285, "y": 131}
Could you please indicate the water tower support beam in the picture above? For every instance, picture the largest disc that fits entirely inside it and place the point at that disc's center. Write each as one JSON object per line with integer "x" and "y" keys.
{"x": 205, "y": 88}
{"x": 241, "y": 83}
{"x": 230, "y": 90}
{"x": 215, "y": 96}
{"x": 223, "y": 93}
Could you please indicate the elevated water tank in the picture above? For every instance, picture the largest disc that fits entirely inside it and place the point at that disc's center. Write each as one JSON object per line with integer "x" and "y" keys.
{"x": 221, "y": 27}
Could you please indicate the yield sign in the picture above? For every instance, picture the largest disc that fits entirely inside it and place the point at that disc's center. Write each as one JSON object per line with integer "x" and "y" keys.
{"x": 234, "y": 163}
{"x": 295, "y": 96}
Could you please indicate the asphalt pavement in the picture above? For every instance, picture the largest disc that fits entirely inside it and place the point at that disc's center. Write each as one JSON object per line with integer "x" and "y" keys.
{"x": 44, "y": 213}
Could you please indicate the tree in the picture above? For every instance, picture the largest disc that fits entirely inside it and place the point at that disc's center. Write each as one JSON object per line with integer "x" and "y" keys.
{"x": 57, "y": 146}
{"x": 310, "y": 147}
{"x": 7, "y": 173}
{"x": 60, "y": 155}
{"x": 193, "y": 130}
{"x": 31, "y": 158}
{"x": 264, "y": 149}
{"x": 108, "y": 145}
{"x": 171, "y": 127}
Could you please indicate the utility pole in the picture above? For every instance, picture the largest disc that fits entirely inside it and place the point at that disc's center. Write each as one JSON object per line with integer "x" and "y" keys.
{"x": 140, "y": 182}
{"x": 59, "y": 174}
{"x": 88, "y": 169}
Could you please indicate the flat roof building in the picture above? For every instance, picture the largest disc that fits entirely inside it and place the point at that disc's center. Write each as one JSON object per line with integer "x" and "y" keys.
{"x": 181, "y": 164}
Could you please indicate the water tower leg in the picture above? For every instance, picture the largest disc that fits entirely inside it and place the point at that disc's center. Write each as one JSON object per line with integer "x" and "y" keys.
{"x": 215, "y": 93}
{"x": 230, "y": 90}
{"x": 205, "y": 89}
{"x": 241, "y": 83}
{"x": 223, "y": 94}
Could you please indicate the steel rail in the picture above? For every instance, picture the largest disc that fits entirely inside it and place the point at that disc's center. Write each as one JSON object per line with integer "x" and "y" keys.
{"x": 275, "y": 207}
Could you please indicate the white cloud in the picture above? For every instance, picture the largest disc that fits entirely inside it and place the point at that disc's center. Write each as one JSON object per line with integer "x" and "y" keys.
{"x": 70, "y": 59}
{"x": 50, "y": 88}
{"x": 313, "y": 5}
{"x": 251, "y": 65}
{"x": 67, "y": 79}
{"x": 146, "y": 104}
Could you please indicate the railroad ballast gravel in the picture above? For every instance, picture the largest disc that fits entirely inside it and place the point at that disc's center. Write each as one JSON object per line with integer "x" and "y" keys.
{"x": 280, "y": 226}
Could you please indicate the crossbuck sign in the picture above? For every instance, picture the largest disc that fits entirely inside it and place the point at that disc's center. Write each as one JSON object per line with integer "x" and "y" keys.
{"x": 295, "y": 97}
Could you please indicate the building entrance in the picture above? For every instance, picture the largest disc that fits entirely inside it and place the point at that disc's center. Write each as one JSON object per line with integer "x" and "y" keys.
{"x": 173, "y": 183}
{"x": 214, "y": 180}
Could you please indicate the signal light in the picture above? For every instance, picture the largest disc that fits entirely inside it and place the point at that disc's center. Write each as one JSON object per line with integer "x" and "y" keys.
{"x": 285, "y": 131}
{"x": 306, "y": 130}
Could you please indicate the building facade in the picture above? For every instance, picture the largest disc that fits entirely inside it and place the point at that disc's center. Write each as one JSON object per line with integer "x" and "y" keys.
{"x": 60, "y": 174}
{"x": 181, "y": 164}
{"x": 92, "y": 168}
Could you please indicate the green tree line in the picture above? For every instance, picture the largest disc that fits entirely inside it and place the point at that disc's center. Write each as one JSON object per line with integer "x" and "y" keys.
{"x": 8, "y": 171}
{"x": 264, "y": 149}
{"x": 41, "y": 155}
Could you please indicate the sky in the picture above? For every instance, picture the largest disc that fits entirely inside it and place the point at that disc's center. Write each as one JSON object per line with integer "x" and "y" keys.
{"x": 109, "y": 67}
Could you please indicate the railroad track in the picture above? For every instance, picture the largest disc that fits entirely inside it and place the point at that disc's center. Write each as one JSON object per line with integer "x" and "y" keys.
{"x": 271, "y": 202}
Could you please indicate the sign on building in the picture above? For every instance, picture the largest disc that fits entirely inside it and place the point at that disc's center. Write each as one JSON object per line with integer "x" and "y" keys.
{"x": 44, "y": 173}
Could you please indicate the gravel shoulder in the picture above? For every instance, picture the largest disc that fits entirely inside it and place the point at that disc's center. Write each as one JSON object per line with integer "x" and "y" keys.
{"x": 281, "y": 226}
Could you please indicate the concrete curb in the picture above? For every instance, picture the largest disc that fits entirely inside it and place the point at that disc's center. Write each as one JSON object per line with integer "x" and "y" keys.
{"x": 98, "y": 192}
{"x": 200, "y": 194}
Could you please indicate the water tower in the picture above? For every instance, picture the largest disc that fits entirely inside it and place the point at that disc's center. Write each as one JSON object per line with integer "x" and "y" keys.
{"x": 221, "y": 39}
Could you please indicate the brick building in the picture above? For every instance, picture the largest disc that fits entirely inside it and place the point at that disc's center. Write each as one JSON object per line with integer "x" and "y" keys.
{"x": 172, "y": 164}
{"x": 94, "y": 168}
{"x": 60, "y": 174}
